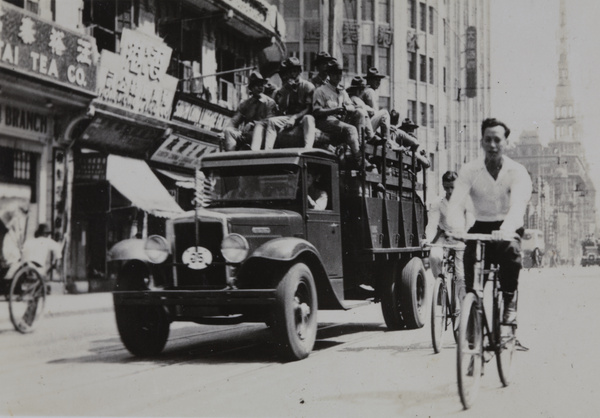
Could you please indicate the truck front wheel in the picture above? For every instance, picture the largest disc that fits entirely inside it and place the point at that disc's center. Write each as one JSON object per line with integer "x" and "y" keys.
{"x": 143, "y": 329}
{"x": 295, "y": 319}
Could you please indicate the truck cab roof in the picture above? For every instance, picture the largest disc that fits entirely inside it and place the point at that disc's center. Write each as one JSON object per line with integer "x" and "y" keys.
{"x": 277, "y": 156}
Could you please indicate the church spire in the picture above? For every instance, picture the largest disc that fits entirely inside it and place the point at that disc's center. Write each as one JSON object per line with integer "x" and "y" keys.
{"x": 565, "y": 128}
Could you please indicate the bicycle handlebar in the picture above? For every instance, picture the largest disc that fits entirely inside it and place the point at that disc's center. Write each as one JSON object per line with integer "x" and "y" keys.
{"x": 499, "y": 236}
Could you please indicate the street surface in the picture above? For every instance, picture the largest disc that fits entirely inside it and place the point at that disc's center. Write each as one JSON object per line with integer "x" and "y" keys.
{"x": 74, "y": 364}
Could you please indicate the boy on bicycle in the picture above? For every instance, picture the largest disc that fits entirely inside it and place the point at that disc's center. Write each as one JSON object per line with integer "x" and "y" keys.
{"x": 500, "y": 189}
{"x": 435, "y": 233}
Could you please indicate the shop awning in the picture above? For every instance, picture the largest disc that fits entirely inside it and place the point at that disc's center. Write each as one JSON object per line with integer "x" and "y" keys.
{"x": 181, "y": 180}
{"x": 135, "y": 180}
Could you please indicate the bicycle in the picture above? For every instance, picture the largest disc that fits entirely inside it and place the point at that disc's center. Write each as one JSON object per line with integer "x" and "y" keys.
{"x": 475, "y": 334}
{"x": 445, "y": 306}
{"x": 27, "y": 295}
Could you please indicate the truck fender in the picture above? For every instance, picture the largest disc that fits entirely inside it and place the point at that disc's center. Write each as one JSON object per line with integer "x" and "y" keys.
{"x": 287, "y": 249}
{"x": 128, "y": 249}
{"x": 284, "y": 249}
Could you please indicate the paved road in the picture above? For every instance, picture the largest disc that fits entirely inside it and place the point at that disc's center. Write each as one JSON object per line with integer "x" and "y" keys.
{"x": 75, "y": 365}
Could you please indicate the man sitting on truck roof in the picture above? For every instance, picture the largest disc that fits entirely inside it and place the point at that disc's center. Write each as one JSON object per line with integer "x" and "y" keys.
{"x": 375, "y": 119}
{"x": 294, "y": 99}
{"x": 336, "y": 115}
{"x": 248, "y": 123}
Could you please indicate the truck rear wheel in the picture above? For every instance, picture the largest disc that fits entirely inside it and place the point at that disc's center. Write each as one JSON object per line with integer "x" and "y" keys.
{"x": 390, "y": 298}
{"x": 295, "y": 319}
{"x": 414, "y": 287}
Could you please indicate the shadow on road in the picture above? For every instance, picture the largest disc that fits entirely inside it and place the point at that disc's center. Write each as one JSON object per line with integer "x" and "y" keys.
{"x": 245, "y": 343}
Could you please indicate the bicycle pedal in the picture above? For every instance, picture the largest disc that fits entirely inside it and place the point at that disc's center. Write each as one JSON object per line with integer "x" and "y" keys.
{"x": 520, "y": 347}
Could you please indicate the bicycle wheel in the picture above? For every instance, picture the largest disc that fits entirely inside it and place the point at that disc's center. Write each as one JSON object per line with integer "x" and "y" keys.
{"x": 505, "y": 341}
{"x": 26, "y": 299}
{"x": 469, "y": 351}
{"x": 455, "y": 310}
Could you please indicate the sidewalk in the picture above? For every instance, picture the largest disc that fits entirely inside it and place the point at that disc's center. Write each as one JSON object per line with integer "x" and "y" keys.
{"x": 60, "y": 304}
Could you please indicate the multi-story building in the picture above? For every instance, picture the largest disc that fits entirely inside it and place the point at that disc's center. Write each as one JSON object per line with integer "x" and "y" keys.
{"x": 563, "y": 202}
{"x": 107, "y": 105}
{"x": 435, "y": 55}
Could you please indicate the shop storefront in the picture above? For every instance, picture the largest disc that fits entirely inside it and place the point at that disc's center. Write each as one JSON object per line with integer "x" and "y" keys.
{"x": 47, "y": 81}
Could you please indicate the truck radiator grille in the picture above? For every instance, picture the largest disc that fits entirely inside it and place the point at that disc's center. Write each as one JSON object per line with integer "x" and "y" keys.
{"x": 210, "y": 237}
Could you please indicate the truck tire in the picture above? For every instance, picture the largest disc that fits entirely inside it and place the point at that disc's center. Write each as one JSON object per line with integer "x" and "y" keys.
{"x": 390, "y": 297}
{"x": 143, "y": 329}
{"x": 295, "y": 319}
{"x": 413, "y": 295}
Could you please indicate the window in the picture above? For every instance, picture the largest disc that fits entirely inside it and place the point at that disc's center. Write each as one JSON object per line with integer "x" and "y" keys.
{"x": 311, "y": 9}
{"x": 384, "y": 11}
{"x": 445, "y": 29}
{"x": 411, "y": 110}
{"x": 431, "y": 117}
{"x": 423, "y": 68}
{"x": 291, "y": 9}
{"x": 432, "y": 161}
{"x": 444, "y": 79}
{"x": 431, "y": 71}
{"x": 31, "y": 5}
{"x": 384, "y": 102}
{"x": 423, "y": 17}
{"x": 423, "y": 114}
{"x": 412, "y": 65}
{"x": 366, "y": 59}
{"x": 412, "y": 14}
{"x": 108, "y": 18}
{"x": 349, "y": 52}
{"x": 293, "y": 49}
{"x": 19, "y": 167}
{"x": 384, "y": 60}
{"x": 310, "y": 53}
{"x": 350, "y": 9}
{"x": 431, "y": 20}
{"x": 367, "y": 9}
{"x": 445, "y": 138}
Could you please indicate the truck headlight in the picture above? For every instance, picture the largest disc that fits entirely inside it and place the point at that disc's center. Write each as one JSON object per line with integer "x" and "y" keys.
{"x": 234, "y": 248}
{"x": 156, "y": 249}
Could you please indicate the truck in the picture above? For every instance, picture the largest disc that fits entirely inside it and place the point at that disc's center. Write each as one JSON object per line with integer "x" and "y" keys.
{"x": 260, "y": 249}
{"x": 590, "y": 254}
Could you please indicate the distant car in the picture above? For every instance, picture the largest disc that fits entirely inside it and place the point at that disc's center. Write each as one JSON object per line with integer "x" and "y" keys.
{"x": 590, "y": 256}
{"x": 533, "y": 246}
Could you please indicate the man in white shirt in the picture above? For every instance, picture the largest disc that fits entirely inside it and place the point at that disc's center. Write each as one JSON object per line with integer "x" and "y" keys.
{"x": 435, "y": 233}
{"x": 500, "y": 189}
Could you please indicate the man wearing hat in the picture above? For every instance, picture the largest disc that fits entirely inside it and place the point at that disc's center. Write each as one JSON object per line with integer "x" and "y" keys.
{"x": 404, "y": 135}
{"x": 294, "y": 100}
{"x": 336, "y": 115}
{"x": 370, "y": 96}
{"x": 321, "y": 61}
{"x": 248, "y": 124}
{"x": 375, "y": 119}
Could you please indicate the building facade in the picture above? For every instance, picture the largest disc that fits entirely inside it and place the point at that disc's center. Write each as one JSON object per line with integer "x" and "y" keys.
{"x": 435, "y": 55}
{"x": 107, "y": 106}
{"x": 563, "y": 204}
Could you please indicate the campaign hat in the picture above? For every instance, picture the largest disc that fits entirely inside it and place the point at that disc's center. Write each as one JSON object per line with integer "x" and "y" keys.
{"x": 290, "y": 63}
{"x": 322, "y": 57}
{"x": 256, "y": 78}
{"x": 358, "y": 82}
{"x": 334, "y": 67}
{"x": 408, "y": 124}
{"x": 373, "y": 73}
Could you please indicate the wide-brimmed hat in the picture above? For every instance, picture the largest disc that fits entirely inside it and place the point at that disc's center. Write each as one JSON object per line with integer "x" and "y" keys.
{"x": 291, "y": 63}
{"x": 334, "y": 67}
{"x": 256, "y": 78}
{"x": 373, "y": 73}
{"x": 322, "y": 57}
{"x": 358, "y": 82}
{"x": 408, "y": 124}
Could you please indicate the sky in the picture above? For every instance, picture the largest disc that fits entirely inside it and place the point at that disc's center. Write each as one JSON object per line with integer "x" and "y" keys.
{"x": 524, "y": 43}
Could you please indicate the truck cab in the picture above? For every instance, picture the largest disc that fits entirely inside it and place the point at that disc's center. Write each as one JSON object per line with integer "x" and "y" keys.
{"x": 276, "y": 236}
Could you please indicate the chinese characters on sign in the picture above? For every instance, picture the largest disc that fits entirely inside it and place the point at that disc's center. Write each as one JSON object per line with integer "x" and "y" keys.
{"x": 471, "y": 55}
{"x": 44, "y": 50}
{"x": 136, "y": 80}
{"x": 183, "y": 152}
{"x": 199, "y": 116}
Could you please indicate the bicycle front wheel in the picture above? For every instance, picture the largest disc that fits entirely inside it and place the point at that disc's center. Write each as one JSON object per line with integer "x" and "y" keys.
{"x": 469, "y": 350}
{"x": 26, "y": 299}
{"x": 505, "y": 341}
{"x": 439, "y": 312}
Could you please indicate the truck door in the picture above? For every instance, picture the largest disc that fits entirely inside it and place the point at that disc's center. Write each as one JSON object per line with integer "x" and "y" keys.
{"x": 323, "y": 222}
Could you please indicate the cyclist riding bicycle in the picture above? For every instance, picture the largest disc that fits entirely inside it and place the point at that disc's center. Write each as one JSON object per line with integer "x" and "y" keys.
{"x": 436, "y": 229}
{"x": 500, "y": 189}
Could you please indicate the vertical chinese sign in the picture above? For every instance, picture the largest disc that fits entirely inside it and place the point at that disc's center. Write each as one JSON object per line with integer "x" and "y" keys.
{"x": 471, "y": 56}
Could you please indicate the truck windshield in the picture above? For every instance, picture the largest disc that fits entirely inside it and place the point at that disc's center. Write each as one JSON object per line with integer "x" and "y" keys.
{"x": 232, "y": 185}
